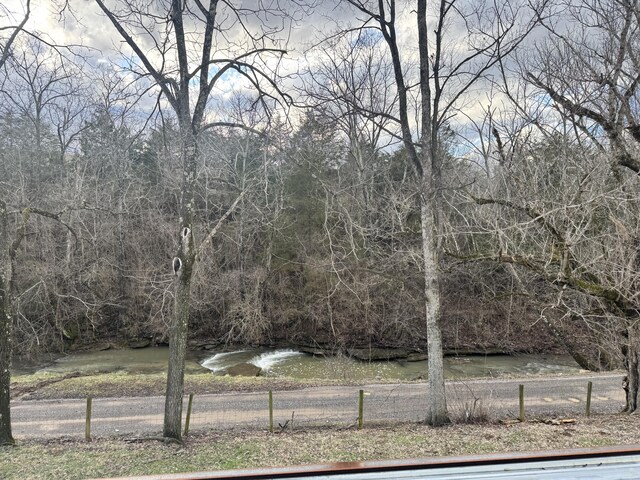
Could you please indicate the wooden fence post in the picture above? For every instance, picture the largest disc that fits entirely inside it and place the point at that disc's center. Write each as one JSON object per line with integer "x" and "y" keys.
{"x": 87, "y": 425}
{"x": 270, "y": 411}
{"x": 521, "y": 396}
{"x": 360, "y": 409}
{"x": 187, "y": 420}
{"x": 589, "y": 389}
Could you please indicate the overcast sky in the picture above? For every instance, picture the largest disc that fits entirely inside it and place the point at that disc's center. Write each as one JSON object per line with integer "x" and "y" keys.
{"x": 87, "y": 27}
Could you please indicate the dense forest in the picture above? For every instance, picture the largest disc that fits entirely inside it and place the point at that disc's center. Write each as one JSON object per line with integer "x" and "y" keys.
{"x": 499, "y": 178}
{"x": 322, "y": 248}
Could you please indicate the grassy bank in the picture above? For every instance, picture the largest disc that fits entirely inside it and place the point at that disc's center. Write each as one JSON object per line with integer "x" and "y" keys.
{"x": 41, "y": 386}
{"x": 48, "y": 385}
{"x": 230, "y": 450}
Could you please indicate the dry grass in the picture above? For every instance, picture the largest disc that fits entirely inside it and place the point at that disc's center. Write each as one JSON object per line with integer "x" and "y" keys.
{"x": 122, "y": 384}
{"x": 228, "y": 450}
{"x": 42, "y": 386}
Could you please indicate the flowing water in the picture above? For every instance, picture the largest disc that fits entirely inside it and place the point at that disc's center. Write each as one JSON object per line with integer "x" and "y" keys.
{"x": 142, "y": 360}
{"x": 290, "y": 363}
{"x": 294, "y": 364}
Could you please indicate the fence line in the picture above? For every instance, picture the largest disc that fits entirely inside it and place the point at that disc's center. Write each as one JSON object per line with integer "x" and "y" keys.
{"x": 344, "y": 407}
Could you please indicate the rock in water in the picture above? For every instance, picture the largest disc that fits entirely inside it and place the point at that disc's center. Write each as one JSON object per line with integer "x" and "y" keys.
{"x": 140, "y": 343}
{"x": 244, "y": 370}
{"x": 315, "y": 351}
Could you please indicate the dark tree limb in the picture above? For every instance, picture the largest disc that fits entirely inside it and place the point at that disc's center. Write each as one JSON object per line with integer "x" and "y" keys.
{"x": 6, "y": 48}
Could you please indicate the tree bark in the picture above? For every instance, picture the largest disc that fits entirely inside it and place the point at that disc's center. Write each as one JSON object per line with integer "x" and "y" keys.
{"x": 6, "y": 329}
{"x": 632, "y": 364}
{"x": 427, "y": 168}
{"x": 183, "y": 269}
{"x": 177, "y": 352}
{"x": 184, "y": 262}
{"x": 436, "y": 399}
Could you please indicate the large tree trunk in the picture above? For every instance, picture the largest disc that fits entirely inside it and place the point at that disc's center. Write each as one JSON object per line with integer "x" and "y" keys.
{"x": 430, "y": 183}
{"x": 436, "y": 399}
{"x": 178, "y": 340}
{"x": 183, "y": 269}
{"x": 6, "y": 329}
{"x": 632, "y": 364}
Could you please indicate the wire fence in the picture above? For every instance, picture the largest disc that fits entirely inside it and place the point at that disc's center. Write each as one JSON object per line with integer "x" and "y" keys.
{"x": 337, "y": 407}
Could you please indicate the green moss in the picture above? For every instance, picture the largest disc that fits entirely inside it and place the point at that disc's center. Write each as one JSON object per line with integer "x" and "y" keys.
{"x": 598, "y": 290}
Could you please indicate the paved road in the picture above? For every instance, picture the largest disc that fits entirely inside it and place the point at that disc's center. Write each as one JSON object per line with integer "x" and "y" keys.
{"x": 555, "y": 396}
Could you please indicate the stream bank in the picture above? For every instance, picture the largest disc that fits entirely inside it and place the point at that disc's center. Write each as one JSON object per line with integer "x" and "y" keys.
{"x": 299, "y": 364}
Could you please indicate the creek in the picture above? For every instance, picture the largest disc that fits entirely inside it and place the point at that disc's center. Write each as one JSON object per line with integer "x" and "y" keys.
{"x": 293, "y": 364}
{"x": 297, "y": 365}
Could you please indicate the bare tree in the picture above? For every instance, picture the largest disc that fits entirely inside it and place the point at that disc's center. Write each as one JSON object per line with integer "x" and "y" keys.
{"x": 482, "y": 33}
{"x": 43, "y": 88}
{"x": 8, "y": 251}
{"x": 593, "y": 78}
{"x": 556, "y": 215}
{"x": 185, "y": 48}
{"x": 6, "y": 346}
{"x": 350, "y": 90}
{"x": 13, "y": 30}
{"x": 6, "y": 303}
{"x": 351, "y": 87}
{"x": 578, "y": 160}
